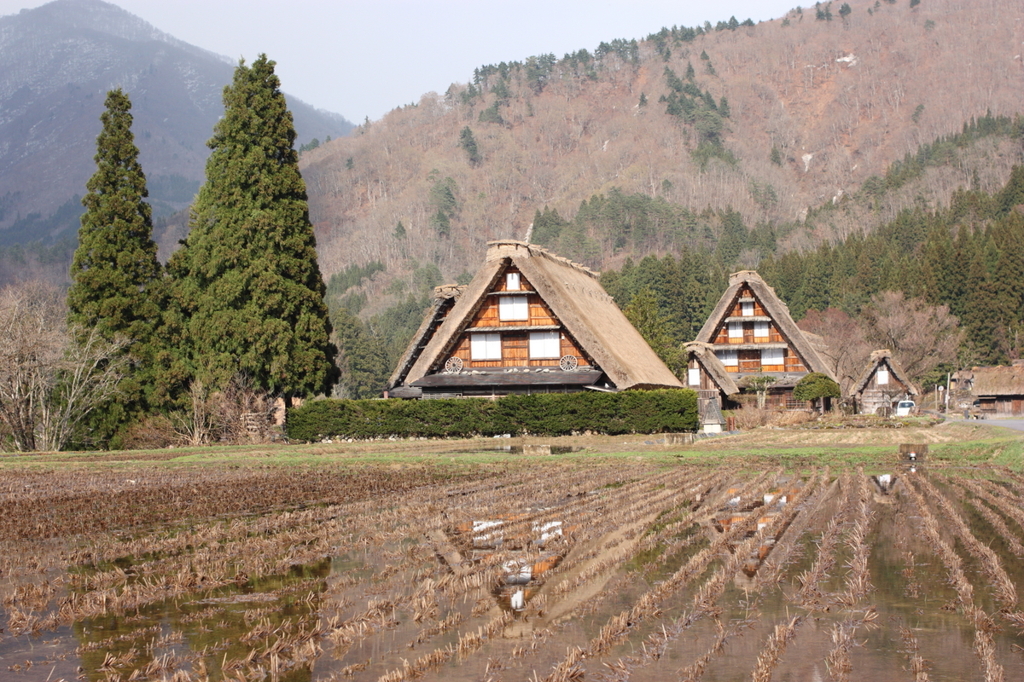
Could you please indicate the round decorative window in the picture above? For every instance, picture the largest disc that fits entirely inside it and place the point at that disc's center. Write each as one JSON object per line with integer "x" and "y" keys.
{"x": 453, "y": 365}
{"x": 568, "y": 363}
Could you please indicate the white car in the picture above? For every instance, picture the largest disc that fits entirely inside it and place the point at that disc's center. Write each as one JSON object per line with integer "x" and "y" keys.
{"x": 905, "y": 408}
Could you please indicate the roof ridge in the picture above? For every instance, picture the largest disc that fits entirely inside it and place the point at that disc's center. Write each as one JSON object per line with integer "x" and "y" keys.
{"x": 537, "y": 250}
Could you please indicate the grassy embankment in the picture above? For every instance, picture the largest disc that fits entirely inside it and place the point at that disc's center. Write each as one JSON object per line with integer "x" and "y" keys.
{"x": 950, "y": 444}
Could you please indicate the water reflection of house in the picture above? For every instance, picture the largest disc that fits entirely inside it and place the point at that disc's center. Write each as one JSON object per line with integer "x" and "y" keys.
{"x": 999, "y": 390}
{"x": 751, "y": 334}
{"x": 882, "y": 383}
{"x": 530, "y": 554}
{"x": 528, "y": 322}
{"x": 764, "y": 510}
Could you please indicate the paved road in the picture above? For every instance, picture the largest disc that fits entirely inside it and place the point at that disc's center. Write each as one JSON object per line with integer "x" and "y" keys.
{"x": 1016, "y": 424}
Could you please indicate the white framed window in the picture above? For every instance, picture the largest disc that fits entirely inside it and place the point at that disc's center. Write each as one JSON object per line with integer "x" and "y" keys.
{"x": 545, "y": 345}
{"x": 485, "y": 346}
{"x": 772, "y": 356}
{"x": 747, "y": 308}
{"x": 760, "y": 329}
{"x": 882, "y": 376}
{"x": 729, "y": 358}
{"x": 735, "y": 330}
{"x": 512, "y": 281}
{"x": 513, "y": 308}
{"x": 693, "y": 376}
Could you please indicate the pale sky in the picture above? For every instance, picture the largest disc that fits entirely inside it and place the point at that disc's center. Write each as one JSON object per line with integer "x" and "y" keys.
{"x": 362, "y": 59}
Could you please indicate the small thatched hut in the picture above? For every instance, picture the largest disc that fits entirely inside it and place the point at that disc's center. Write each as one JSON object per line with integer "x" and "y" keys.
{"x": 882, "y": 383}
{"x": 528, "y": 322}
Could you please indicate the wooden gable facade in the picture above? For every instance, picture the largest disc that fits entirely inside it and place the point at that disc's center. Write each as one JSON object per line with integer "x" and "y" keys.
{"x": 751, "y": 333}
{"x": 748, "y": 339}
{"x": 882, "y": 383}
{"x": 515, "y": 328}
{"x": 529, "y": 322}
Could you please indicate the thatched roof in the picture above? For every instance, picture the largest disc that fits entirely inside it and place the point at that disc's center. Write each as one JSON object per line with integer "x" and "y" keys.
{"x": 804, "y": 343}
{"x": 576, "y": 298}
{"x": 441, "y": 304}
{"x": 879, "y": 357}
{"x": 997, "y": 381}
{"x": 704, "y": 353}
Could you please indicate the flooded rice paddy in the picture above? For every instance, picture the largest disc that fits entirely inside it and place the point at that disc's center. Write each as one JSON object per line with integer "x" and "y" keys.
{"x": 546, "y": 570}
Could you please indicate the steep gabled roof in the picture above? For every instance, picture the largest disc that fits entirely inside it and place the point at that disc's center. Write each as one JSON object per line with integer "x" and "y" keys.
{"x": 576, "y": 298}
{"x": 803, "y": 342}
{"x": 441, "y": 304}
{"x": 876, "y": 359}
{"x": 705, "y": 354}
{"x": 997, "y": 381}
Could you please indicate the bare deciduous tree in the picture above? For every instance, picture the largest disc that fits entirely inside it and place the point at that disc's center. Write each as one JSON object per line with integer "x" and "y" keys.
{"x": 246, "y": 412}
{"x": 920, "y": 336}
{"x": 195, "y": 425}
{"x": 88, "y": 375}
{"x": 848, "y": 349}
{"x": 51, "y": 376}
{"x": 241, "y": 413}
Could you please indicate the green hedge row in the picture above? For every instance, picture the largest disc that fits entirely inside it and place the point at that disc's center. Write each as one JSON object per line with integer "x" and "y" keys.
{"x": 548, "y": 414}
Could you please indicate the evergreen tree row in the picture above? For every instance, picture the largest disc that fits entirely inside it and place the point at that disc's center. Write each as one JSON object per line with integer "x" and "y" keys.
{"x": 243, "y": 297}
{"x": 638, "y": 223}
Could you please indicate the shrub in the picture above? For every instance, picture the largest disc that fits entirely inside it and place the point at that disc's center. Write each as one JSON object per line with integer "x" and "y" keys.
{"x": 547, "y": 414}
{"x": 816, "y": 385}
{"x": 750, "y": 417}
{"x": 153, "y": 432}
{"x": 790, "y": 418}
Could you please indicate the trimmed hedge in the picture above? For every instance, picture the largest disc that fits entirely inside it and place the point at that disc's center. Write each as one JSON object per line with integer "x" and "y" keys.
{"x": 544, "y": 414}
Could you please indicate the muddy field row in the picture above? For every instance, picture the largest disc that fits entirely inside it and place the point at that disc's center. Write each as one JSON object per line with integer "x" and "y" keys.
{"x": 543, "y": 570}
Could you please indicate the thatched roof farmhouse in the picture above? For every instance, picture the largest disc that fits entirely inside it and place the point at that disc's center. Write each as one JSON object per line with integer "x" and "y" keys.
{"x": 528, "y": 322}
{"x": 751, "y": 334}
{"x": 882, "y": 383}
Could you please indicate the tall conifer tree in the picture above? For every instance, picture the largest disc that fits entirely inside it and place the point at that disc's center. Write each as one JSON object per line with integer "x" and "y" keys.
{"x": 247, "y": 278}
{"x": 115, "y": 263}
{"x": 115, "y": 273}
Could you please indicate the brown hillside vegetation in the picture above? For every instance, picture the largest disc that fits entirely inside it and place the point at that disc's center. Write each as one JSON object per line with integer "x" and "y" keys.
{"x": 840, "y": 100}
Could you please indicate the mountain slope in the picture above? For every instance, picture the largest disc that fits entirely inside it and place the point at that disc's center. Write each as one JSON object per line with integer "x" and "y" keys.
{"x": 814, "y": 108}
{"x": 56, "y": 64}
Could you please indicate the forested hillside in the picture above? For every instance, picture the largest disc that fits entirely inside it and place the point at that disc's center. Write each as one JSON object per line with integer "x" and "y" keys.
{"x": 966, "y": 260}
{"x": 770, "y": 120}
{"x": 711, "y": 149}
